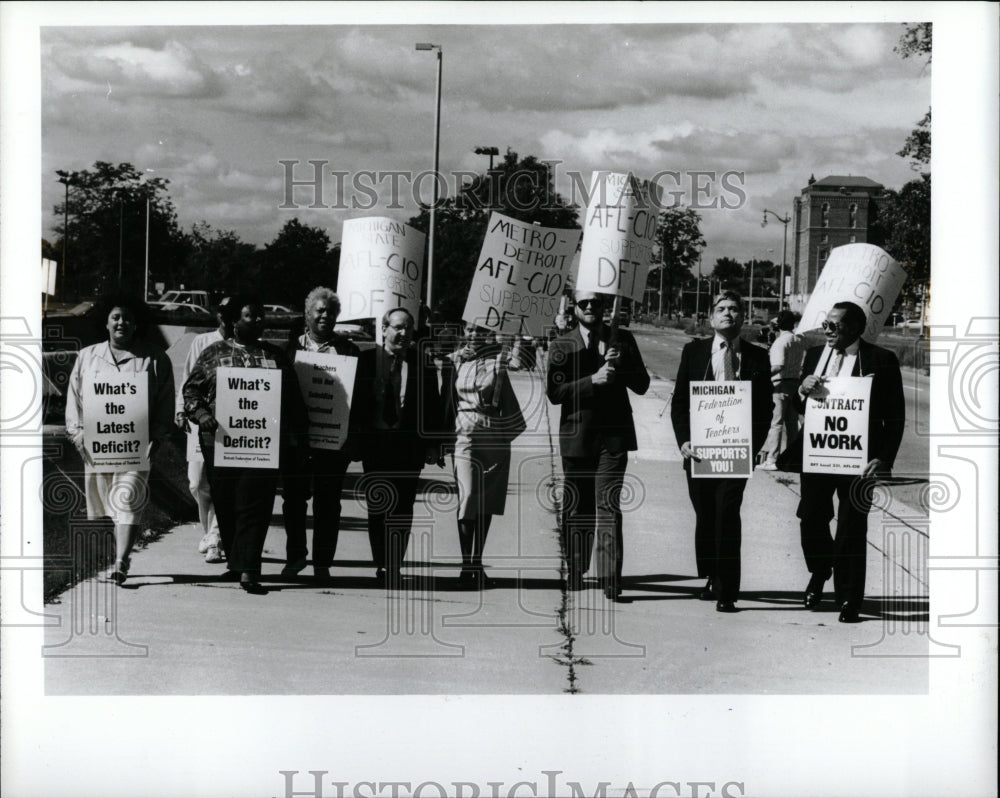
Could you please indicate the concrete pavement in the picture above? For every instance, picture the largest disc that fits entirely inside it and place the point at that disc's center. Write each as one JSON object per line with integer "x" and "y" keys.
{"x": 175, "y": 628}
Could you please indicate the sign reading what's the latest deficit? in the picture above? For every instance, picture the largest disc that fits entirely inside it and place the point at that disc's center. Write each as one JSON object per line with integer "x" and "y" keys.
{"x": 721, "y": 432}
{"x": 248, "y": 409}
{"x": 618, "y": 234}
{"x": 116, "y": 421}
{"x": 381, "y": 268}
{"x": 520, "y": 276}
{"x": 326, "y": 380}
{"x": 835, "y": 429}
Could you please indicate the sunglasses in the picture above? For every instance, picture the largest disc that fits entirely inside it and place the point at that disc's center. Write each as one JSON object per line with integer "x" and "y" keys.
{"x": 586, "y": 303}
{"x": 832, "y": 326}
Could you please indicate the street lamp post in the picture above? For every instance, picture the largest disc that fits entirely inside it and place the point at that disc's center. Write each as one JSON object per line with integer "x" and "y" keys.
{"x": 437, "y": 150}
{"x": 145, "y": 287}
{"x": 784, "y": 253}
{"x": 65, "y": 178}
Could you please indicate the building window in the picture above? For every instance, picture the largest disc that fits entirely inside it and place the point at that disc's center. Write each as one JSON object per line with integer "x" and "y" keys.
{"x": 824, "y": 239}
{"x": 825, "y": 214}
{"x": 821, "y": 256}
{"x": 853, "y": 240}
{"x": 853, "y": 216}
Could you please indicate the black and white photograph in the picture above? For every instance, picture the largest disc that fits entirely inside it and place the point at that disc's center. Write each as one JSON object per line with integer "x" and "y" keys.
{"x": 499, "y": 399}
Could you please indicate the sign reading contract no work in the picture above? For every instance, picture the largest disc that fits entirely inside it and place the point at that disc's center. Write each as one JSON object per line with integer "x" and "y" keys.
{"x": 720, "y": 429}
{"x": 835, "y": 430}
{"x": 116, "y": 421}
{"x": 248, "y": 409}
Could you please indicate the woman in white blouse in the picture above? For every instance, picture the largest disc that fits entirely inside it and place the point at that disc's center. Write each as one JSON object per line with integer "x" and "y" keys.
{"x": 122, "y": 495}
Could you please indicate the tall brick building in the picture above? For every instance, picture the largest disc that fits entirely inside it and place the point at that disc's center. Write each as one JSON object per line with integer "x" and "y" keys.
{"x": 829, "y": 213}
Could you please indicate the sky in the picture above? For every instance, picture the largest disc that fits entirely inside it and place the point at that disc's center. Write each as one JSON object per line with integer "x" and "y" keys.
{"x": 214, "y": 109}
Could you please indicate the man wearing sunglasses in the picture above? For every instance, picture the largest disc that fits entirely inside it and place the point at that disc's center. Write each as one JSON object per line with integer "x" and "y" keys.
{"x": 846, "y": 353}
{"x": 590, "y": 373}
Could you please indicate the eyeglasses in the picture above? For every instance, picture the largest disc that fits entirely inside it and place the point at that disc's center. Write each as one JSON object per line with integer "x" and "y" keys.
{"x": 832, "y": 326}
{"x": 586, "y": 303}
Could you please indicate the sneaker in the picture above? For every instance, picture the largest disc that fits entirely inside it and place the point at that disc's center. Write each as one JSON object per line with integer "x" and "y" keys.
{"x": 208, "y": 540}
{"x": 294, "y": 568}
{"x": 215, "y": 554}
{"x": 767, "y": 465}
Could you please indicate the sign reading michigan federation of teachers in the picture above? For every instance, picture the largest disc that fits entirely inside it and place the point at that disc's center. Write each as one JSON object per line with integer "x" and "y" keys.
{"x": 520, "y": 276}
{"x": 720, "y": 429}
{"x": 381, "y": 268}
{"x": 116, "y": 421}
{"x": 835, "y": 429}
{"x": 618, "y": 234}
{"x": 326, "y": 380}
{"x": 248, "y": 409}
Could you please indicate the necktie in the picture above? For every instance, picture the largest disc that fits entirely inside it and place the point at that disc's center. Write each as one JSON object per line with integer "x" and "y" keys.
{"x": 728, "y": 361}
{"x": 838, "y": 362}
{"x": 594, "y": 343}
{"x": 390, "y": 396}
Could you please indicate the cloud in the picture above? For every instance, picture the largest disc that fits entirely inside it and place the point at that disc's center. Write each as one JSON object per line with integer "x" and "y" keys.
{"x": 128, "y": 70}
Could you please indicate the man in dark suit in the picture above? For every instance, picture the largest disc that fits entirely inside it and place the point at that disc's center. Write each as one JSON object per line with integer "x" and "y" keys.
{"x": 847, "y": 354}
{"x": 717, "y": 501}
{"x": 590, "y": 370}
{"x": 396, "y": 413}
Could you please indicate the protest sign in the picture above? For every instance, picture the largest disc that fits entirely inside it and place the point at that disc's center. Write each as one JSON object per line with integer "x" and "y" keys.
{"x": 381, "y": 268}
{"x": 520, "y": 277}
{"x": 619, "y": 229}
{"x": 835, "y": 430}
{"x": 116, "y": 421}
{"x": 248, "y": 409}
{"x": 860, "y": 273}
{"x": 326, "y": 380}
{"x": 721, "y": 435}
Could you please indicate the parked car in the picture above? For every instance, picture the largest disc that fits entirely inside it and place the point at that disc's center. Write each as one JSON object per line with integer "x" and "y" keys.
{"x": 178, "y": 307}
{"x": 183, "y": 297}
{"x": 910, "y": 324}
{"x": 276, "y": 309}
{"x": 894, "y": 319}
{"x": 355, "y": 332}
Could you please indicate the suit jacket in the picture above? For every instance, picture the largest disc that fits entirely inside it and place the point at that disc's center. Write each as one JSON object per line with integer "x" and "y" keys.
{"x": 696, "y": 364}
{"x": 420, "y": 416}
{"x": 594, "y": 415}
{"x": 887, "y": 408}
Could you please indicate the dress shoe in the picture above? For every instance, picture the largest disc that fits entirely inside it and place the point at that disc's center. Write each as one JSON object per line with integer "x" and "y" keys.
{"x": 294, "y": 568}
{"x": 322, "y": 574}
{"x": 814, "y": 591}
{"x": 848, "y": 613}
{"x": 230, "y": 576}
{"x": 726, "y": 606}
{"x": 252, "y": 586}
{"x": 574, "y": 581}
{"x": 611, "y": 589}
{"x": 393, "y": 579}
{"x": 708, "y": 592}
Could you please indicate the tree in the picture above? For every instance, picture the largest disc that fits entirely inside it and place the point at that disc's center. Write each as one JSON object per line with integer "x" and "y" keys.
{"x": 299, "y": 259}
{"x": 217, "y": 260}
{"x": 918, "y": 145}
{"x": 729, "y": 272}
{"x": 915, "y": 40}
{"x": 523, "y": 189}
{"x": 107, "y": 230}
{"x": 678, "y": 243}
{"x": 907, "y": 219}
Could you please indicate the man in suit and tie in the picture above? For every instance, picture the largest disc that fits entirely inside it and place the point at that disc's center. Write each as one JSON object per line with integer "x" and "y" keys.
{"x": 590, "y": 373}
{"x": 847, "y": 354}
{"x": 717, "y": 501}
{"x": 396, "y": 413}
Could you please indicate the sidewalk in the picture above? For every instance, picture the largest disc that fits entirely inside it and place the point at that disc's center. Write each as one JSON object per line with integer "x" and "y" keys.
{"x": 175, "y": 628}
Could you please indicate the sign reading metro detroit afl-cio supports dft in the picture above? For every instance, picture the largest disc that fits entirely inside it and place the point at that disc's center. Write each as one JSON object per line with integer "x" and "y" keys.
{"x": 618, "y": 233}
{"x": 381, "y": 268}
{"x": 520, "y": 276}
